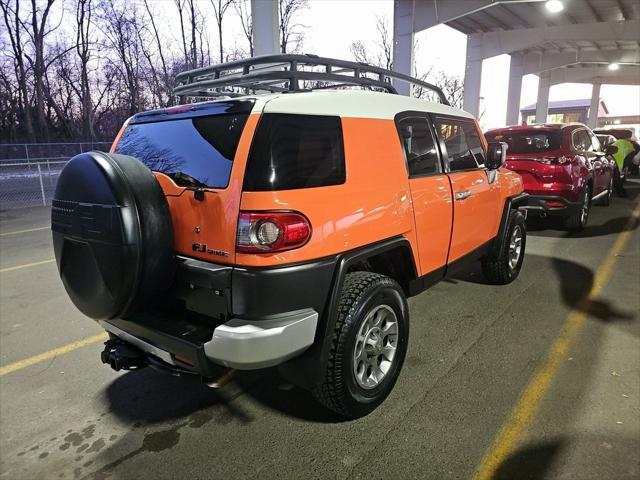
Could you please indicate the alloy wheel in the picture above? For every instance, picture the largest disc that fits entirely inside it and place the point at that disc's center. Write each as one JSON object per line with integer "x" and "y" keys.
{"x": 515, "y": 247}
{"x": 584, "y": 212}
{"x": 375, "y": 347}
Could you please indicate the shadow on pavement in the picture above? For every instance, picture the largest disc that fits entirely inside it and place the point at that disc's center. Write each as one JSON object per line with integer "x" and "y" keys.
{"x": 610, "y": 227}
{"x": 133, "y": 397}
{"x": 149, "y": 397}
{"x": 530, "y": 463}
{"x": 576, "y": 281}
{"x": 537, "y": 461}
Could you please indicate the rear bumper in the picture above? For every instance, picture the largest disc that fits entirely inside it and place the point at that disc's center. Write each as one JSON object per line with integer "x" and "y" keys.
{"x": 240, "y": 344}
{"x": 552, "y": 205}
{"x": 235, "y": 317}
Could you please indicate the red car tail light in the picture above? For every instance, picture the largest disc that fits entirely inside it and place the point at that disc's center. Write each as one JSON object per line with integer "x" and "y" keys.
{"x": 554, "y": 204}
{"x": 268, "y": 232}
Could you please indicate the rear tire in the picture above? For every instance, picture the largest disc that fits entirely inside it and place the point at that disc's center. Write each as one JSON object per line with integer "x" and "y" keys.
{"x": 606, "y": 200}
{"x": 578, "y": 221}
{"x": 503, "y": 268}
{"x": 368, "y": 346}
{"x": 618, "y": 181}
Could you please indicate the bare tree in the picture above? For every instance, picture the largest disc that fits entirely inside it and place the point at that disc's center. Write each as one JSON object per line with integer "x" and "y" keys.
{"x": 83, "y": 49}
{"x": 38, "y": 32}
{"x": 191, "y": 29}
{"x": 13, "y": 24}
{"x": 382, "y": 54}
{"x": 291, "y": 32}
{"x": 162, "y": 80}
{"x": 220, "y": 7}
{"x": 244, "y": 14}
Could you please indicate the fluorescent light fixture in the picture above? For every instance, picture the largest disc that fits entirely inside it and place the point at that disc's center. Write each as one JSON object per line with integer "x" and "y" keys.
{"x": 613, "y": 66}
{"x": 554, "y": 6}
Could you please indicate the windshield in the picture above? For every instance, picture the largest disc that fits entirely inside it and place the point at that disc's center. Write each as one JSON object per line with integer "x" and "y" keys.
{"x": 528, "y": 141}
{"x": 194, "y": 152}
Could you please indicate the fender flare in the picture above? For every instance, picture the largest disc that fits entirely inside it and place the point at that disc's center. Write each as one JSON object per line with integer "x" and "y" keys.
{"x": 513, "y": 203}
{"x": 307, "y": 370}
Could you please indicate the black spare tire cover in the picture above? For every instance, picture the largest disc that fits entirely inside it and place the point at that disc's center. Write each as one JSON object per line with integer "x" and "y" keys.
{"x": 112, "y": 234}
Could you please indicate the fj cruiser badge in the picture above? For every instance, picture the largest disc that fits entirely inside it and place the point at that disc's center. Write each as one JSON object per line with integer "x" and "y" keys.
{"x": 202, "y": 247}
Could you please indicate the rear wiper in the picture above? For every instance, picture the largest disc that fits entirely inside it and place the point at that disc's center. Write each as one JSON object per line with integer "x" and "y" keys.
{"x": 186, "y": 180}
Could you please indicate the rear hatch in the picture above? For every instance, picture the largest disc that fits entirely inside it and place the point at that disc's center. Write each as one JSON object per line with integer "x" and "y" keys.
{"x": 191, "y": 149}
{"x": 532, "y": 153}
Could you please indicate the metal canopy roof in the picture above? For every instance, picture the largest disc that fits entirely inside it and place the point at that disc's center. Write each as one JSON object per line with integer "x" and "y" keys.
{"x": 505, "y": 16}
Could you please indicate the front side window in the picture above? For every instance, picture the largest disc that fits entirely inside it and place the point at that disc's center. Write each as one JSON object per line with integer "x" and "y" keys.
{"x": 295, "y": 151}
{"x": 595, "y": 143}
{"x": 464, "y": 146}
{"x": 582, "y": 141}
{"x": 419, "y": 146}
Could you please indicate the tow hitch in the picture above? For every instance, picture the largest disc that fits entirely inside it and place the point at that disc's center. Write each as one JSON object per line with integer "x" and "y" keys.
{"x": 122, "y": 356}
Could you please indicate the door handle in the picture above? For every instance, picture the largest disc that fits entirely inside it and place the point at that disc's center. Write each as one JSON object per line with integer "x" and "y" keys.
{"x": 463, "y": 195}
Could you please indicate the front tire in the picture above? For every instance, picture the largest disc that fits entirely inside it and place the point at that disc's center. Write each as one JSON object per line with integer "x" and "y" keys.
{"x": 504, "y": 266}
{"x": 368, "y": 346}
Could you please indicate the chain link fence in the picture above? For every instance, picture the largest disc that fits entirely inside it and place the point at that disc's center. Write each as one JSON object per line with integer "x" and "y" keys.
{"x": 29, "y": 172}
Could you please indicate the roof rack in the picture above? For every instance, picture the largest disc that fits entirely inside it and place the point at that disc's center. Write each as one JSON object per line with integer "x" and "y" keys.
{"x": 285, "y": 73}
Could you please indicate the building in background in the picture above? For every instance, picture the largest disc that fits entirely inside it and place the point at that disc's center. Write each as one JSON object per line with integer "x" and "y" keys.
{"x": 564, "y": 111}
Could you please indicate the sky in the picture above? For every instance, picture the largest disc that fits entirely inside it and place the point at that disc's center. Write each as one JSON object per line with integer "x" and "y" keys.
{"x": 334, "y": 24}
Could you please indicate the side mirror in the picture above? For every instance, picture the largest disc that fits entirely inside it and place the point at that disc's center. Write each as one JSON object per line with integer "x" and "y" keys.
{"x": 611, "y": 149}
{"x": 496, "y": 155}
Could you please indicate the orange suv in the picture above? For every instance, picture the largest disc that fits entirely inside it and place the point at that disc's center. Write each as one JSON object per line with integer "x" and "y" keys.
{"x": 284, "y": 228}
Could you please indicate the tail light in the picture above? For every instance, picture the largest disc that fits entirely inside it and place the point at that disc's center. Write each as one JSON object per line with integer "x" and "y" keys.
{"x": 268, "y": 232}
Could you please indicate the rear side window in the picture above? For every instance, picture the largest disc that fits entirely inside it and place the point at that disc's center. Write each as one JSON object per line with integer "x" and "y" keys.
{"x": 194, "y": 152}
{"x": 523, "y": 142}
{"x": 464, "y": 147}
{"x": 419, "y": 146}
{"x": 295, "y": 151}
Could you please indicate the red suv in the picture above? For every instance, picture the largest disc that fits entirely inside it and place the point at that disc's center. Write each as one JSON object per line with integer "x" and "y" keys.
{"x": 562, "y": 166}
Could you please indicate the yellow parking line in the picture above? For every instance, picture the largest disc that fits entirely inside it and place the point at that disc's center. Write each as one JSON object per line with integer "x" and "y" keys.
{"x": 527, "y": 406}
{"x": 18, "y": 232}
{"x": 27, "y": 362}
{"x": 26, "y": 265}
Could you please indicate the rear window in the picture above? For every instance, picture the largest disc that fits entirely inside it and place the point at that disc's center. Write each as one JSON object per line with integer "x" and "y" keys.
{"x": 528, "y": 142}
{"x": 194, "y": 152}
{"x": 295, "y": 151}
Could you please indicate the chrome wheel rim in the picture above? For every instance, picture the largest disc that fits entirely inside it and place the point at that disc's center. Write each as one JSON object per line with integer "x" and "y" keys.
{"x": 515, "y": 246}
{"x": 610, "y": 189}
{"x": 584, "y": 212}
{"x": 375, "y": 347}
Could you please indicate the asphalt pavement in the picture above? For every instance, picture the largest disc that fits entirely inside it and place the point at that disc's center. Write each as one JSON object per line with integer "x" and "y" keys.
{"x": 537, "y": 379}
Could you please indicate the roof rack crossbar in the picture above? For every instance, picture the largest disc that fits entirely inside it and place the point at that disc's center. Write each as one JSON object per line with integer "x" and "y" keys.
{"x": 264, "y": 73}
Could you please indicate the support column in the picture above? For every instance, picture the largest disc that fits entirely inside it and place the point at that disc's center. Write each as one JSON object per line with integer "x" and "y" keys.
{"x": 595, "y": 106}
{"x": 403, "y": 43}
{"x": 516, "y": 71}
{"x": 266, "y": 31}
{"x": 542, "y": 105}
{"x": 473, "y": 76}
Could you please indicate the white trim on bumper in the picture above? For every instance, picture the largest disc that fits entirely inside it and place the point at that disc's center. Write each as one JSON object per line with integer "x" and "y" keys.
{"x": 252, "y": 344}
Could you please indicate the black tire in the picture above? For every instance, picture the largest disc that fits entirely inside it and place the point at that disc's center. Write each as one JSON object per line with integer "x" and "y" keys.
{"x": 606, "y": 200}
{"x": 498, "y": 267}
{"x": 618, "y": 182}
{"x": 112, "y": 234}
{"x": 362, "y": 293}
{"x": 577, "y": 221}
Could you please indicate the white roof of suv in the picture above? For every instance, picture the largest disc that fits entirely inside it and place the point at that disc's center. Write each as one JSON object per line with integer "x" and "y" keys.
{"x": 350, "y": 103}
